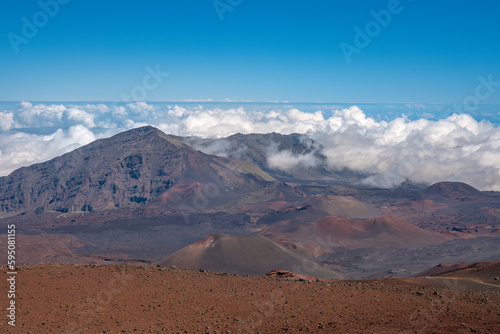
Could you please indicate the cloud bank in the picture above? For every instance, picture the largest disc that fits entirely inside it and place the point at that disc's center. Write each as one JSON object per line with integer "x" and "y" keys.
{"x": 455, "y": 148}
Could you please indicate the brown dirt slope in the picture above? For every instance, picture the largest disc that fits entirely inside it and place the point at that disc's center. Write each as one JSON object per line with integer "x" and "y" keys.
{"x": 345, "y": 206}
{"x": 444, "y": 268}
{"x": 484, "y": 276}
{"x": 488, "y": 272}
{"x": 127, "y": 299}
{"x": 383, "y": 232}
{"x": 244, "y": 255}
{"x": 59, "y": 248}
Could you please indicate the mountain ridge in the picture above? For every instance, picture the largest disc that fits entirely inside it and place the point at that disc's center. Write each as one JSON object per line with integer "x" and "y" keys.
{"x": 132, "y": 167}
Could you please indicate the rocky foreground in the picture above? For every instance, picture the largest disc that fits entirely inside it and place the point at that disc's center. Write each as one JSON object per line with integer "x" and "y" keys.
{"x": 131, "y": 299}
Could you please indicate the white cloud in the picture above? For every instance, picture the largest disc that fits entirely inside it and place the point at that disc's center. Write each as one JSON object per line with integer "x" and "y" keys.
{"x": 81, "y": 116}
{"x": 456, "y": 148}
{"x": 22, "y": 149}
{"x": 40, "y": 114}
{"x": 141, "y": 108}
{"x": 219, "y": 147}
{"x": 285, "y": 160}
{"x": 6, "y": 120}
{"x": 119, "y": 111}
{"x": 101, "y": 108}
{"x": 177, "y": 111}
{"x": 25, "y": 105}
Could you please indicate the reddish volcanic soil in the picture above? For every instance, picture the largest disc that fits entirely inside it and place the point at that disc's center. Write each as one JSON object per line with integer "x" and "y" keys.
{"x": 128, "y": 299}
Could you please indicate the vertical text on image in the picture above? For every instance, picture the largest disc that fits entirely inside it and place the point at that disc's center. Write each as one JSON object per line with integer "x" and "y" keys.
{"x": 11, "y": 273}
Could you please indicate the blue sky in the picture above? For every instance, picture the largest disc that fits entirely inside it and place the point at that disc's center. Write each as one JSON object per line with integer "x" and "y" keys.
{"x": 430, "y": 52}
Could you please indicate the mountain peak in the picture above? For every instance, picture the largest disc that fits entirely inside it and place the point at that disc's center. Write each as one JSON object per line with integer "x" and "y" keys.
{"x": 146, "y": 128}
{"x": 131, "y": 168}
{"x": 126, "y": 169}
{"x": 143, "y": 130}
{"x": 148, "y": 131}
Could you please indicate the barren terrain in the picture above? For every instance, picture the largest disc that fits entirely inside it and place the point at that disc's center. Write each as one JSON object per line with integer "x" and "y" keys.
{"x": 92, "y": 225}
{"x": 142, "y": 195}
{"x": 132, "y": 299}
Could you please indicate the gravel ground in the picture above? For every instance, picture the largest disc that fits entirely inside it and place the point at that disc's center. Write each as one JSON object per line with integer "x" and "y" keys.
{"x": 133, "y": 299}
